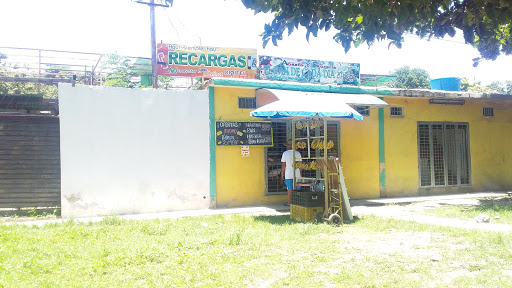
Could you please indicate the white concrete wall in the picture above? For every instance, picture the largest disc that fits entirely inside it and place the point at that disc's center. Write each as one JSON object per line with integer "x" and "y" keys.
{"x": 133, "y": 150}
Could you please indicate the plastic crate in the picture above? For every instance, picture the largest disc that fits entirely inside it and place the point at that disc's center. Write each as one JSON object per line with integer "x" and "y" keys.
{"x": 308, "y": 199}
{"x": 304, "y": 214}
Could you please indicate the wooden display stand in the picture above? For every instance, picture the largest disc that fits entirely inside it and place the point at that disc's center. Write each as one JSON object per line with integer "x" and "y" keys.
{"x": 331, "y": 176}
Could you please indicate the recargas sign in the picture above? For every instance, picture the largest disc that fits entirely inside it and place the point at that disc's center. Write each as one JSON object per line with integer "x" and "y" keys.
{"x": 204, "y": 61}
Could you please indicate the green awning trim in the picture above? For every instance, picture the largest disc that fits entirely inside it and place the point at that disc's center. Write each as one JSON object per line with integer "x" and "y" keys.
{"x": 299, "y": 86}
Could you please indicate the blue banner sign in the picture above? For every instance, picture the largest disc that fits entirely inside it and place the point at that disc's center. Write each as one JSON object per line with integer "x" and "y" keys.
{"x": 304, "y": 70}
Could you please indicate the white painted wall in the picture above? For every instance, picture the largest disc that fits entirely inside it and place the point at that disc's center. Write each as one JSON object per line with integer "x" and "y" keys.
{"x": 129, "y": 151}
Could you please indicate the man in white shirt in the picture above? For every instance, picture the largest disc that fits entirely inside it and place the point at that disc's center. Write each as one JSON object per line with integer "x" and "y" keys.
{"x": 287, "y": 168}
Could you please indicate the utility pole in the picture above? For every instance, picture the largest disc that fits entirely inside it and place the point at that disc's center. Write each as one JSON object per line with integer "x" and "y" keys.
{"x": 153, "y": 44}
{"x": 152, "y": 5}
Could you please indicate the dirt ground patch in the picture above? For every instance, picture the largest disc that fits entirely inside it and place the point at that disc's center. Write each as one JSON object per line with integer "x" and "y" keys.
{"x": 415, "y": 212}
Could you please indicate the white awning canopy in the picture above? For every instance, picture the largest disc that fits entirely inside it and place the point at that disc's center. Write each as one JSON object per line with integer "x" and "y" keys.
{"x": 299, "y": 103}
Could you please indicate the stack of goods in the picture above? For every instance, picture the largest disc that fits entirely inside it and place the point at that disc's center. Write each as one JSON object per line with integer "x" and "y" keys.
{"x": 305, "y": 205}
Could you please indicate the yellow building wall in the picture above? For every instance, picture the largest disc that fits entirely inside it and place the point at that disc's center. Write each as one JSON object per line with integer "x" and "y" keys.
{"x": 491, "y": 146}
{"x": 490, "y": 142}
{"x": 359, "y": 146}
{"x": 240, "y": 180}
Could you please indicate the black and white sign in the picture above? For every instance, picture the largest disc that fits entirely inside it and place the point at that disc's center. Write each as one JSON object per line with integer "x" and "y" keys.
{"x": 231, "y": 133}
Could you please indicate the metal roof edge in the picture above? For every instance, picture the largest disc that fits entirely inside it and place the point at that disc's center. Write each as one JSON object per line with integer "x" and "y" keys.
{"x": 311, "y": 87}
{"x": 427, "y": 93}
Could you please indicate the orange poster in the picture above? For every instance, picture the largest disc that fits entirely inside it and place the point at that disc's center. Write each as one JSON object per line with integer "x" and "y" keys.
{"x": 205, "y": 61}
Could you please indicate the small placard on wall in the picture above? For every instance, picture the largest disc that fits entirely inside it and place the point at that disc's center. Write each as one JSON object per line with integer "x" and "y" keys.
{"x": 245, "y": 151}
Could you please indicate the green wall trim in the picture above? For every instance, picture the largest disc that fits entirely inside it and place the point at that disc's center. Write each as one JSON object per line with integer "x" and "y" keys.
{"x": 213, "y": 169}
{"x": 382, "y": 155}
{"x": 382, "y": 178}
{"x": 299, "y": 86}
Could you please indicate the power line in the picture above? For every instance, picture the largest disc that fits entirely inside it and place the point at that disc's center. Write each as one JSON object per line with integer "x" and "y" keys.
{"x": 175, "y": 30}
{"x": 185, "y": 28}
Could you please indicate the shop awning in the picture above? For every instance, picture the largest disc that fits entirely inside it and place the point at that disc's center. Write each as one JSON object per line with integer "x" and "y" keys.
{"x": 303, "y": 104}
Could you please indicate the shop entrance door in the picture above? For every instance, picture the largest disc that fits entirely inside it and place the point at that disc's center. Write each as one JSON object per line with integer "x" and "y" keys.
{"x": 281, "y": 131}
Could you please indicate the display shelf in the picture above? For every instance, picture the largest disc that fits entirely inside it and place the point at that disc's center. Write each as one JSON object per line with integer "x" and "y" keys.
{"x": 310, "y": 130}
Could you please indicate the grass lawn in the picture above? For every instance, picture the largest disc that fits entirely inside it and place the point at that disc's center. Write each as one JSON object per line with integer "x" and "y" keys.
{"x": 244, "y": 251}
{"x": 468, "y": 212}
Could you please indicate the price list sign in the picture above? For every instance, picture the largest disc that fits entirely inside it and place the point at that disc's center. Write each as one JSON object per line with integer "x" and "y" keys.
{"x": 237, "y": 133}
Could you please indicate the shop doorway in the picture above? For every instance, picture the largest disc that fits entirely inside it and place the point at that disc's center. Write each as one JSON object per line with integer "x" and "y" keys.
{"x": 281, "y": 131}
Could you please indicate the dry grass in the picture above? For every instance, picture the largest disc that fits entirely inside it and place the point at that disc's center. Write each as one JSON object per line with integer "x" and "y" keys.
{"x": 243, "y": 251}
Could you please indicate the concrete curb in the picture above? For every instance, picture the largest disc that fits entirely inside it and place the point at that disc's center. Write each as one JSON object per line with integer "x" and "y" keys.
{"x": 405, "y": 200}
{"x": 274, "y": 209}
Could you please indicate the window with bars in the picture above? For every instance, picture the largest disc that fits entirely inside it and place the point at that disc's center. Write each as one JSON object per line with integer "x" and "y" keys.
{"x": 396, "y": 111}
{"x": 363, "y": 110}
{"x": 247, "y": 102}
{"x": 488, "y": 112}
{"x": 282, "y": 132}
{"x": 443, "y": 154}
{"x": 273, "y": 158}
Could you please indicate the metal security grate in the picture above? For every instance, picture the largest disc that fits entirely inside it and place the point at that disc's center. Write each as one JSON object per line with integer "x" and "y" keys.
{"x": 273, "y": 158}
{"x": 463, "y": 146}
{"x": 333, "y": 134}
{"x": 396, "y": 111}
{"x": 29, "y": 162}
{"x": 363, "y": 110}
{"x": 247, "y": 102}
{"x": 488, "y": 112}
{"x": 424, "y": 154}
{"x": 451, "y": 152}
{"x": 438, "y": 154}
{"x": 443, "y": 154}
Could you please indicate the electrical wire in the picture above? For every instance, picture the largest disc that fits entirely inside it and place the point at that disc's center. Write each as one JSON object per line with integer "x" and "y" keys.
{"x": 175, "y": 30}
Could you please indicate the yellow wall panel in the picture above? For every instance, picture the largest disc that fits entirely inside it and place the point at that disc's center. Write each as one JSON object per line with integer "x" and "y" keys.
{"x": 491, "y": 146}
{"x": 240, "y": 180}
{"x": 401, "y": 150}
{"x": 491, "y": 160}
{"x": 359, "y": 142}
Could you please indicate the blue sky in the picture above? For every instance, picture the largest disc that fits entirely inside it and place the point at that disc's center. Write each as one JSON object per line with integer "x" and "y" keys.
{"x": 106, "y": 26}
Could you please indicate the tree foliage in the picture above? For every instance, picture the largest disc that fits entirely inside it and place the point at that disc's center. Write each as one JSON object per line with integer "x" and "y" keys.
{"x": 121, "y": 71}
{"x": 410, "y": 78}
{"x": 501, "y": 87}
{"x": 485, "y": 24}
{"x": 14, "y": 71}
{"x": 466, "y": 86}
{"x": 124, "y": 73}
{"x": 58, "y": 71}
{"x": 498, "y": 87}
